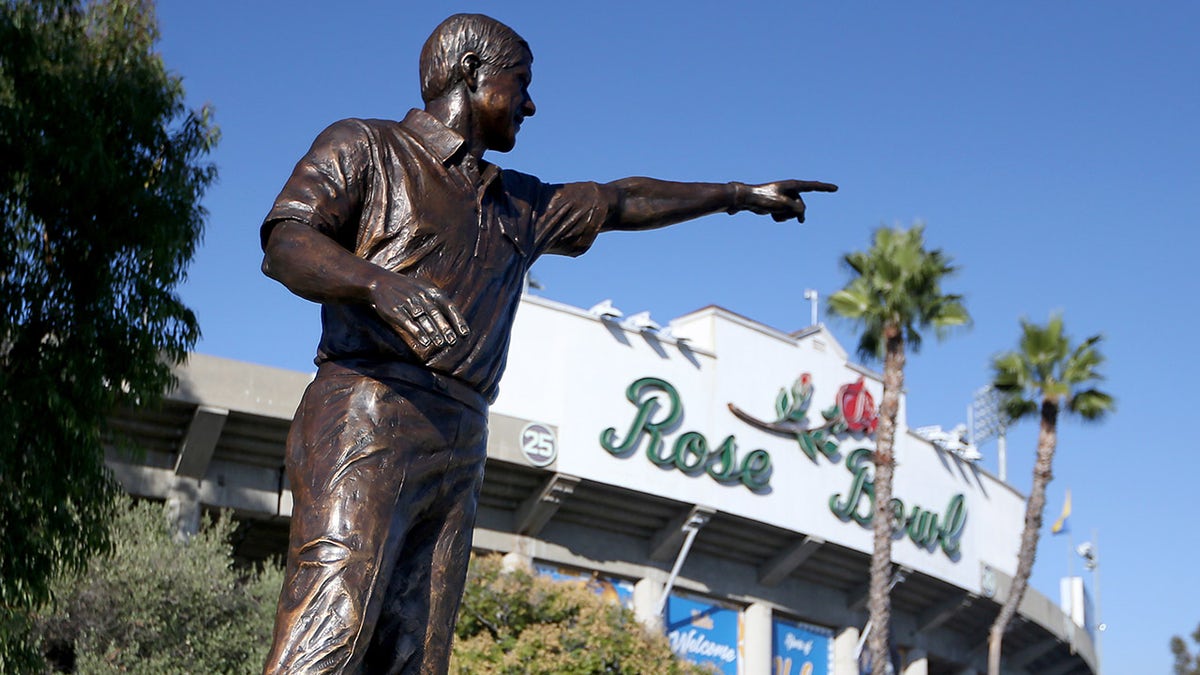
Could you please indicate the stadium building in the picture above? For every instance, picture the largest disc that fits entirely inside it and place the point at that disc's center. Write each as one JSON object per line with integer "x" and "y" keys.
{"x": 713, "y": 474}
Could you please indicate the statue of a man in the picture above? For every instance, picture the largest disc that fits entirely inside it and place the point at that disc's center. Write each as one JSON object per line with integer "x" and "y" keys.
{"x": 416, "y": 248}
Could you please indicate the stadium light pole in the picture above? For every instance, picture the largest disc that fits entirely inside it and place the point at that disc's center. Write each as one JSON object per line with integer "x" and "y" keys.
{"x": 986, "y": 422}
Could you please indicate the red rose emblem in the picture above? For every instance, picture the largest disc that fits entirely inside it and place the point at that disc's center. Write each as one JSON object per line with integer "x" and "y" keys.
{"x": 858, "y": 407}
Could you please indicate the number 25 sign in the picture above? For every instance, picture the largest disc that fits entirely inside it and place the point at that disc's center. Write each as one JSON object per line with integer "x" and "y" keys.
{"x": 539, "y": 444}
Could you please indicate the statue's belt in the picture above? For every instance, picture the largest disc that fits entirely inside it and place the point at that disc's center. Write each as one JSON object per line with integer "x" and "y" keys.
{"x": 406, "y": 373}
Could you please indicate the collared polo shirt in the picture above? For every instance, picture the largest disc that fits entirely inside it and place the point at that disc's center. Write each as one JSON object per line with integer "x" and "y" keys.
{"x": 407, "y": 196}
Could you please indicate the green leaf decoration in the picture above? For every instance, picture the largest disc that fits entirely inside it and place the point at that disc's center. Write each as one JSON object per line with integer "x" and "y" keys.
{"x": 806, "y": 445}
{"x": 782, "y": 405}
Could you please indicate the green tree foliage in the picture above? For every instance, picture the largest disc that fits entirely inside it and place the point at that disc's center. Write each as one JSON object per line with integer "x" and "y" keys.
{"x": 518, "y": 623}
{"x": 101, "y": 174}
{"x": 1186, "y": 663}
{"x": 158, "y": 607}
{"x": 1044, "y": 376}
{"x": 895, "y": 292}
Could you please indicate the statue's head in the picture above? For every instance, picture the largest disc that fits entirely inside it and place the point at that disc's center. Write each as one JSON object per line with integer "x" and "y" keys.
{"x": 441, "y": 58}
{"x": 485, "y": 66}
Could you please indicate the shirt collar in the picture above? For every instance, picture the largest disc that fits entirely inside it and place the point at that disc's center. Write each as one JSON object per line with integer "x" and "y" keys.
{"x": 445, "y": 143}
{"x": 440, "y": 139}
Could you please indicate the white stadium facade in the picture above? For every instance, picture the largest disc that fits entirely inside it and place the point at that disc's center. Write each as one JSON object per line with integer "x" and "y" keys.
{"x": 712, "y": 474}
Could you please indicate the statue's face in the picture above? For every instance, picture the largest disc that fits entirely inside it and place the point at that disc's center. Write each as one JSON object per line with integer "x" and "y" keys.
{"x": 501, "y": 102}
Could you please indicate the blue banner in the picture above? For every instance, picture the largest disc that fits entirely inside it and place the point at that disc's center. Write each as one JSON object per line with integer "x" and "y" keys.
{"x": 800, "y": 649}
{"x": 703, "y": 632}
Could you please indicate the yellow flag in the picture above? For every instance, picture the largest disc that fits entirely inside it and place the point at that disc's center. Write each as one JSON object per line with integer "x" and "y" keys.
{"x": 1060, "y": 525}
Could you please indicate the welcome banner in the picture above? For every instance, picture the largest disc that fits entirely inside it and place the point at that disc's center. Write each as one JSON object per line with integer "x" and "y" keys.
{"x": 704, "y": 632}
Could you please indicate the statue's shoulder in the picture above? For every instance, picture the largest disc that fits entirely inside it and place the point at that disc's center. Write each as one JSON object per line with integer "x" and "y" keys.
{"x": 353, "y": 130}
{"x": 519, "y": 181}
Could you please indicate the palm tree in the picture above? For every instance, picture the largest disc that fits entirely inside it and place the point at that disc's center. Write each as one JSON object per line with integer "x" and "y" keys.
{"x": 1044, "y": 376}
{"x": 896, "y": 290}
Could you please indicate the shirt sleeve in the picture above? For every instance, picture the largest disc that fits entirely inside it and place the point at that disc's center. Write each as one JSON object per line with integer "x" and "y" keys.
{"x": 567, "y": 217}
{"x": 325, "y": 190}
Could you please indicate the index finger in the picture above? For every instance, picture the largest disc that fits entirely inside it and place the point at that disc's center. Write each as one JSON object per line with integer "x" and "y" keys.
{"x": 813, "y": 186}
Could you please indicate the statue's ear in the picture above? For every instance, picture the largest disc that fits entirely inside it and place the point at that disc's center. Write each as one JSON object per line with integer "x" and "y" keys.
{"x": 468, "y": 65}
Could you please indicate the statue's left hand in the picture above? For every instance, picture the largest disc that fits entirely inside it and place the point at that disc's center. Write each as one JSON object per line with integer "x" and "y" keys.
{"x": 781, "y": 199}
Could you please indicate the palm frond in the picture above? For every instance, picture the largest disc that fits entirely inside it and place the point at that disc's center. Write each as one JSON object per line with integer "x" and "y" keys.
{"x": 1091, "y": 404}
{"x": 949, "y": 312}
{"x": 871, "y": 343}
{"x": 849, "y": 302}
{"x": 1018, "y": 407}
{"x": 1011, "y": 378}
{"x": 1011, "y": 373}
{"x": 1084, "y": 362}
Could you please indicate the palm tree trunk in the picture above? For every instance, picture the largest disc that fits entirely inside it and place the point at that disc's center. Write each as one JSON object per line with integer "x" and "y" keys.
{"x": 1047, "y": 441}
{"x": 880, "y": 603}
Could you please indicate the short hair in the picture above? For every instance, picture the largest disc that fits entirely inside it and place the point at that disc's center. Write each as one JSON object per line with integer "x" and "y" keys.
{"x": 494, "y": 42}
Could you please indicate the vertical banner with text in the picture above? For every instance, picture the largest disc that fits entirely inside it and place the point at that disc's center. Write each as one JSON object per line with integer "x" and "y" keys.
{"x": 800, "y": 649}
{"x": 702, "y": 631}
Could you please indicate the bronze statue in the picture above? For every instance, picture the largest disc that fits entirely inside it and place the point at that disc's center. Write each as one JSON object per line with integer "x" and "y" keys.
{"x": 416, "y": 248}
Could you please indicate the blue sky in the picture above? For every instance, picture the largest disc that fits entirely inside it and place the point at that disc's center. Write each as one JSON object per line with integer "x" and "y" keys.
{"x": 1052, "y": 149}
